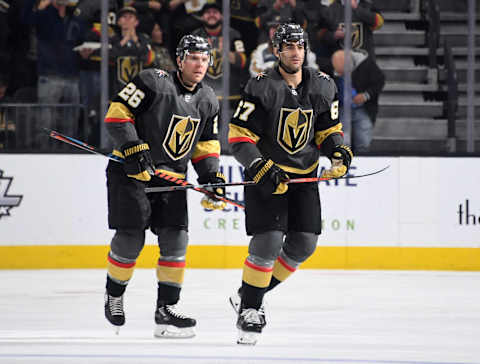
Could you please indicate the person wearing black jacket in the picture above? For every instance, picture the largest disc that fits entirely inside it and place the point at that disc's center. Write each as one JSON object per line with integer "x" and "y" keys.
{"x": 368, "y": 81}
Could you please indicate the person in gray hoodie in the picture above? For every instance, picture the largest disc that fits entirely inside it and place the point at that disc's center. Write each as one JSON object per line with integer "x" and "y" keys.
{"x": 368, "y": 81}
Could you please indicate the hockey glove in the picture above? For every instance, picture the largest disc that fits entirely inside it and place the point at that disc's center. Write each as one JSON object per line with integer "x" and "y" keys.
{"x": 138, "y": 162}
{"x": 208, "y": 202}
{"x": 269, "y": 177}
{"x": 341, "y": 158}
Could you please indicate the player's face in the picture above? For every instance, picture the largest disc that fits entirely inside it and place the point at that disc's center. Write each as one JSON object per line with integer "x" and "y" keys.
{"x": 292, "y": 56}
{"x": 194, "y": 66}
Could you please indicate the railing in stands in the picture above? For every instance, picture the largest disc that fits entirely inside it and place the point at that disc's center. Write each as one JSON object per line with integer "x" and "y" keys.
{"x": 451, "y": 102}
{"x": 431, "y": 12}
{"x": 21, "y": 125}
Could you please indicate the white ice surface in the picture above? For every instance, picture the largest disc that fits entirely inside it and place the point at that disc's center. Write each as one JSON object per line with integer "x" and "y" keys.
{"x": 317, "y": 316}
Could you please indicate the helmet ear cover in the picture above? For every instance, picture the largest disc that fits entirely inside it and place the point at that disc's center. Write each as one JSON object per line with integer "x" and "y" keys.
{"x": 193, "y": 43}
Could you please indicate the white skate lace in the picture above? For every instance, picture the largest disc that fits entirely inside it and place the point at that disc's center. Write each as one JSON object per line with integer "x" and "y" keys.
{"x": 116, "y": 305}
{"x": 172, "y": 310}
{"x": 251, "y": 315}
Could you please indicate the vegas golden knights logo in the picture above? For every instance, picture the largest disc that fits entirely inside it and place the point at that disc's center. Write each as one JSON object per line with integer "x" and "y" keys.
{"x": 294, "y": 129}
{"x": 357, "y": 34}
{"x": 180, "y": 136}
{"x": 215, "y": 70}
{"x": 127, "y": 69}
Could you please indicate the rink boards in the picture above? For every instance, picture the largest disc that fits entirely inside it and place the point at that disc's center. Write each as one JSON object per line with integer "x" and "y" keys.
{"x": 421, "y": 213}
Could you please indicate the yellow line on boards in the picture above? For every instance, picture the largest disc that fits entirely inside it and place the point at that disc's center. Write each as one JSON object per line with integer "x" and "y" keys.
{"x": 221, "y": 256}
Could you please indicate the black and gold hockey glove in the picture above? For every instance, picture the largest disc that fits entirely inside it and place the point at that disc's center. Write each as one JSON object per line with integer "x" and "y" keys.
{"x": 269, "y": 177}
{"x": 341, "y": 158}
{"x": 208, "y": 202}
{"x": 138, "y": 161}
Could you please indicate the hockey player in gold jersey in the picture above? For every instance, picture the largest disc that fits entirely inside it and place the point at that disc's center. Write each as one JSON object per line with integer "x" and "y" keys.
{"x": 285, "y": 120}
{"x": 159, "y": 122}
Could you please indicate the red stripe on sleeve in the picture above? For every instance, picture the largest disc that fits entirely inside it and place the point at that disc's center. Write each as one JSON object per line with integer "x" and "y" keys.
{"x": 240, "y": 140}
{"x": 119, "y": 120}
{"x": 198, "y": 159}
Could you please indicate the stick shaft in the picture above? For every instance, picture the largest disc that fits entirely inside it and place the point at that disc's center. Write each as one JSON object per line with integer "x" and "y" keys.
{"x": 252, "y": 183}
{"x": 180, "y": 182}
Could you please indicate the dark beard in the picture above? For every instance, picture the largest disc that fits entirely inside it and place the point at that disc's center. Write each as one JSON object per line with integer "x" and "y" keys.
{"x": 213, "y": 26}
{"x": 287, "y": 69}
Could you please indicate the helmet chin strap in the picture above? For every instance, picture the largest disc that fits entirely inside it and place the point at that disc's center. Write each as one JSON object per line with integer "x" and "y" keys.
{"x": 180, "y": 76}
{"x": 280, "y": 64}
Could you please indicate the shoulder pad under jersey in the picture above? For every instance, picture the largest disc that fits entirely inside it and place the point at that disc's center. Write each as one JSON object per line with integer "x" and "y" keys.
{"x": 155, "y": 79}
{"x": 323, "y": 84}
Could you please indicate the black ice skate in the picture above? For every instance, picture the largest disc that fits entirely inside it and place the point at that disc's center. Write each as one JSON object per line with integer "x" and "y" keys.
{"x": 250, "y": 324}
{"x": 114, "y": 311}
{"x": 235, "y": 300}
{"x": 172, "y": 324}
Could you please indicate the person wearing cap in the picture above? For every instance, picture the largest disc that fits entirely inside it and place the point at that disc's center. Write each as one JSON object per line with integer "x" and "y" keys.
{"x": 212, "y": 30}
{"x": 130, "y": 51}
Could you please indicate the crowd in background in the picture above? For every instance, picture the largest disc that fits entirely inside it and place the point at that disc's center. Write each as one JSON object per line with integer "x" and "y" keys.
{"x": 50, "y": 53}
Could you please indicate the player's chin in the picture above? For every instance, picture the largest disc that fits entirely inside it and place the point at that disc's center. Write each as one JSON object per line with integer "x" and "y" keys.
{"x": 198, "y": 76}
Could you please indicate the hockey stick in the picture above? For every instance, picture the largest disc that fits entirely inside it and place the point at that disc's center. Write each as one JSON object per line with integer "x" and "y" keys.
{"x": 180, "y": 182}
{"x": 252, "y": 183}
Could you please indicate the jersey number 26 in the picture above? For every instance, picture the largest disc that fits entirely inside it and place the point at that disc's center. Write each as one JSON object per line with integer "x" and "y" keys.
{"x": 132, "y": 95}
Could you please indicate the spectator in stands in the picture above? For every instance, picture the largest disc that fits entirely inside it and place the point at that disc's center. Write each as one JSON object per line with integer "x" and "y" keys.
{"x": 22, "y": 44}
{"x": 185, "y": 18}
{"x": 267, "y": 10}
{"x": 149, "y": 13}
{"x": 366, "y": 19}
{"x": 4, "y": 32}
{"x": 89, "y": 13}
{"x": 368, "y": 81}
{"x": 163, "y": 59}
{"x": 212, "y": 31}
{"x": 7, "y": 124}
{"x": 242, "y": 18}
{"x": 262, "y": 57}
{"x": 58, "y": 32}
{"x": 318, "y": 24}
{"x": 130, "y": 52}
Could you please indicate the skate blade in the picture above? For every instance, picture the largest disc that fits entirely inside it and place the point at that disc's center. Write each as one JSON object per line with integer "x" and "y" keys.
{"x": 173, "y": 332}
{"x": 247, "y": 338}
{"x": 235, "y": 303}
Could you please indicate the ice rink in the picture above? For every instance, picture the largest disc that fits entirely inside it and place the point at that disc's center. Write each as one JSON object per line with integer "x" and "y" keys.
{"x": 317, "y": 316}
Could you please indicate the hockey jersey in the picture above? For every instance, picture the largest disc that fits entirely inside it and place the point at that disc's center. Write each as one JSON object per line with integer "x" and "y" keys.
{"x": 288, "y": 126}
{"x": 179, "y": 125}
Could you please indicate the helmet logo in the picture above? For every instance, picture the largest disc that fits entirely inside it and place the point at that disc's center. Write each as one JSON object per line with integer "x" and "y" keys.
{"x": 294, "y": 129}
